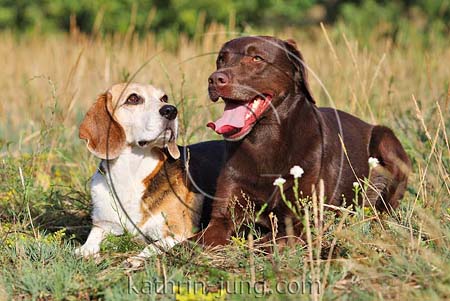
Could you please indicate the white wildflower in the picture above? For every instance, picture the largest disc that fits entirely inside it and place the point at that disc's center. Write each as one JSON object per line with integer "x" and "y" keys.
{"x": 373, "y": 162}
{"x": 279, "y": 182}
{"x": 355, "y": 184}
{"x": 297, "y": 171}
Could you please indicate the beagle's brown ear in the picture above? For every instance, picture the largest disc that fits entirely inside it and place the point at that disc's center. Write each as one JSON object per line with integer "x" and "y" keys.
{"x": 105, "y": 137}
{"x": 172, "y": 149}
{"x": 301, "y": 74}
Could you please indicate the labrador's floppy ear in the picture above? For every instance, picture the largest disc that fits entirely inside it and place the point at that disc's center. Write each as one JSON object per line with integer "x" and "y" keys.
{"x": 172, "y": 149}
{"x": 301, "y": 74}
{"x": 104, "y": 135}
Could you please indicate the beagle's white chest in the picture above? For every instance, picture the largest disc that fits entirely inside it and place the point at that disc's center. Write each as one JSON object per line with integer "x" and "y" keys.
{"x": 117, "y": 190}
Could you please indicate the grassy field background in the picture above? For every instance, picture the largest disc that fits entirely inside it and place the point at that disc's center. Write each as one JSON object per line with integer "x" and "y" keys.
{"x": 49, "y": 81}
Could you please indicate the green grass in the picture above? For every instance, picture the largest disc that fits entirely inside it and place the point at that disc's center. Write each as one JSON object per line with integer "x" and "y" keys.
{"x": 45, "y": 169}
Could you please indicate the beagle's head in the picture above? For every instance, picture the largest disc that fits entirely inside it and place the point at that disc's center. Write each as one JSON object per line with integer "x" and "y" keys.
{"x": 130, "y": 114}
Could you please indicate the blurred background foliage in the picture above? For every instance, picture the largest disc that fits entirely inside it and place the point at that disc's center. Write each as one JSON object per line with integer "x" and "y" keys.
{"x": 169, "y": 17}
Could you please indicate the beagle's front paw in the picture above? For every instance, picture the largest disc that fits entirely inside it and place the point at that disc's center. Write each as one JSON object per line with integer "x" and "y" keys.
{"x": 88, "y": 251}
{"x": 134, "y": 262}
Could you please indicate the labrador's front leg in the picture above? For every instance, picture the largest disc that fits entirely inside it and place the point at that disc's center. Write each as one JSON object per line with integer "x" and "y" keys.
{"x": 220, "y": 228}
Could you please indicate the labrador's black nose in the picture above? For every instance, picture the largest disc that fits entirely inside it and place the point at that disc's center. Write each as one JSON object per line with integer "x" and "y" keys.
{"x": 168, "y": 111}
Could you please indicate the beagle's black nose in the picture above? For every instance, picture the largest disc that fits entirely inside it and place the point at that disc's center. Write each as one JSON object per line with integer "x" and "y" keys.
{"x": 168, "y": 111}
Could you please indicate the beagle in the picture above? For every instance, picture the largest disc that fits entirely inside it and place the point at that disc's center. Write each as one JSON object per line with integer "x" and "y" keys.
{"x": 140, "y": 186}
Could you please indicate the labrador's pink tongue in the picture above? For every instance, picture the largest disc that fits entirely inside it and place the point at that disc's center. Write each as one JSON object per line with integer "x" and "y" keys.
{"x": 233, "y": 118}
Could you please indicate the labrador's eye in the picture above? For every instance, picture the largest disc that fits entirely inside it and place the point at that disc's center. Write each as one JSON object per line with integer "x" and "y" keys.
{"x": 134, "y": 99}
{"x": 257, "y": 58}
{"x": 220, "y": 59}
{"x": 164, "y": 98}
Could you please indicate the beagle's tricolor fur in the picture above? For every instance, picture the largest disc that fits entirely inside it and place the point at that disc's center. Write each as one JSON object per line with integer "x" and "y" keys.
{"x": 140, "y": 186}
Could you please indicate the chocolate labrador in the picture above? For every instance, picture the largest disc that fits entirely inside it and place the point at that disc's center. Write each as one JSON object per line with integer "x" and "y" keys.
{"x": 271, "y": 123}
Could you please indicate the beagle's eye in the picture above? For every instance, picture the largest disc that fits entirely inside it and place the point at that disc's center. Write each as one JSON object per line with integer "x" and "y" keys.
{"x": 134, "y": 99}
{"x": 164, "y": 98}
{"x": 257, "y": 58}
